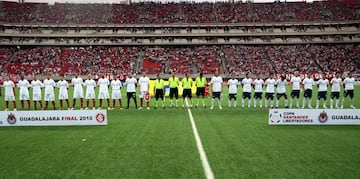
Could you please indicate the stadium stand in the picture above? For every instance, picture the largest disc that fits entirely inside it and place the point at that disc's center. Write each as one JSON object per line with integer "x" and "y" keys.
{"x": 165, "y": 13}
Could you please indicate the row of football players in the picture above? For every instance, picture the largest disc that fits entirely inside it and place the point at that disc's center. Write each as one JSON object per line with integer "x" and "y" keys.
{"x": 216, "y": 86}
{"x": 49, "y": 86}
{"x": 295, "y": 84}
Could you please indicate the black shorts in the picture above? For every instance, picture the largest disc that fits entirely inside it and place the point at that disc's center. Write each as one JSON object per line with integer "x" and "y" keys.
{"x": 131, "y": 94}
{"x": 269, "y": 96}
{"x": 322, "y": 94}
{"x": 258, "y": 95}
{"x": 232, "y": 96}
{"x": 335, "y": 95}
{"x": 200, "y": 91}
{"x": 187, "y": 93}
{"x": 349, "y": 93}
{"x": 159, "y": 93}
{"x": 174, "y": 92}
{"x": 308, "y": 93}
{"x": 279, "y": 95}
{"x": 216, "y": 95}
{"x": 246, "y": 95}
{"x": 295, "y": 93}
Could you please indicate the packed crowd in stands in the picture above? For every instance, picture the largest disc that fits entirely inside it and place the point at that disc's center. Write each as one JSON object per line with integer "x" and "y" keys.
{"x": 240, "y": 59}
{"x": 151, "y": 12}
{"x": 290, "y": 58}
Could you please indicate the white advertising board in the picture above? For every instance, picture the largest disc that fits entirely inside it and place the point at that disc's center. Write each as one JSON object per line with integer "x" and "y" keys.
{"x": 314, "y": 117}
{"x": 53, "y": 118}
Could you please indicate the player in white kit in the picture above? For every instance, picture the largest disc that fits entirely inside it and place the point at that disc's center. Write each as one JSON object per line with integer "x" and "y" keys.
{"x": 258, "y": 90}
{"x": 216, "y": 88}
{"x": 24, "y": 85}
{"x": 233, "y": 89}
{"x": 144, "y": 85}
{"x": 36, "y": 86}
{"x": 295, "y": 89}
{"x": 246, "y": 84}
{"x": 349, "y": 83}
{"x": 335, "y": 90}
{"x": 103, "y": 84}
{"x": 270, "y": 90}
{"x": 63, "y": 86}
{"x": 77, "y": 82}
{"x": 131, "y": 89}
{"x": 308, "y": 83}
{"x": 116, "y": 91}
{"x": 322, "y": 91}
{"x": 90, "y": 92}
{"x": 281, "y": 91}
{"x": 9, "y": 93}
{"x": 49, "y": 95}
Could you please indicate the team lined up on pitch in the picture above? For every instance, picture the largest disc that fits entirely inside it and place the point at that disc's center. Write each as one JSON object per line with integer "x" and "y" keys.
{"x": 216, "y": 85}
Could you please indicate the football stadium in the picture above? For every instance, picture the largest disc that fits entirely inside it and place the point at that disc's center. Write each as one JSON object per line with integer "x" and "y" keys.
{"x": 179, "y": 89}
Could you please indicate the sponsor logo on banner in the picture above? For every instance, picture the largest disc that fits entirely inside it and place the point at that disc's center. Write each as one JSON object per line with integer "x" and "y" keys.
{"x": 323, "y": 117}
{"x": 314, "y": 117}
{"x": 275, "y": 117}
{"x": 100, "y": 117}
{"x": 11, "y": 118}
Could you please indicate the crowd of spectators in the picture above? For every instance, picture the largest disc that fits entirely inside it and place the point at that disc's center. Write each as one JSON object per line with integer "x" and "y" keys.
{"x": 282, "y": 59}
{"x": 164, "y": 13}
{"x": 240, "y": 59}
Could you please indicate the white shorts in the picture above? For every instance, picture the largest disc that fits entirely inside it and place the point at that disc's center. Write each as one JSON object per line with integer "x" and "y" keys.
{"x": 116, "y": 95}
{"x": 9, "y": 97}
{"x": 142, "y": 94}
{"x": 90, "y": 96}
{"x": 78, "y": 93}
{"x": 63, "y": 95}
{"x": 103, "y": 95}
{"x": 24, "y": 95}
{"x": 49, "y": 97}
{"x": 36, "y": 97}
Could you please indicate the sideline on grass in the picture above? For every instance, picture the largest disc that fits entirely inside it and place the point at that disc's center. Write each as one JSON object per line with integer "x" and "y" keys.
{"x": 205, "y": 163}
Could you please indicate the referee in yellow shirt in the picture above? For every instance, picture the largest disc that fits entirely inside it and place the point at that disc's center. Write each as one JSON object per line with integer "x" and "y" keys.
{"x": 159, "y": 91}
{"x": 173, "y": 83}
{"x": 200, "y": 83}
{"x": 187, "y": 84}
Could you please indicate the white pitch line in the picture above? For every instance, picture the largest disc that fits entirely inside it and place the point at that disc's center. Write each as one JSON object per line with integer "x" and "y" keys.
{"x": 205, "y": 163}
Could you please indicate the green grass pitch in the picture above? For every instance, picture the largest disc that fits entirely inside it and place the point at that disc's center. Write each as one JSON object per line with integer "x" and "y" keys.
{"x": 159, "y": 143}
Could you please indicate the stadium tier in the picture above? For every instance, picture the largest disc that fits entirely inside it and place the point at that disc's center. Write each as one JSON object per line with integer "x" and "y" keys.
{"x": 156, "y": 13}
{"x": 238, "y": 59}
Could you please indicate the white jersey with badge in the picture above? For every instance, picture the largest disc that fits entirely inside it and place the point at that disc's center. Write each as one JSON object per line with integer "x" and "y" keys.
{"x": 144, "y": 84}
{"x": 216, "y": 82}
{"x": 247, "y": 82}
{"x": 349, "y": 83}
{"x": 323, "y": 84}
{"x": 63, "y": 86}
{"x": 308, "y": 83}
{"x": 78, "y": 89}
{"x": 233, "y": 84}
{"x": 258, "y": 85}
{"x": 281, "y": 86}
{"x": 270, "y": 85}
{"x": 336, "y": 84}
{"x": 295, "y": 83}
{"x": 90, "y": 89}
{"x": 36, "y": 86}
{"x": 49, "y": 89}
{"x": 103, "y": 88}
{"x": 24, "y": 89}
{"x": 116, "y": 86}
{"x": 131, "y": 84}
{"x": 9, "y": 90}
